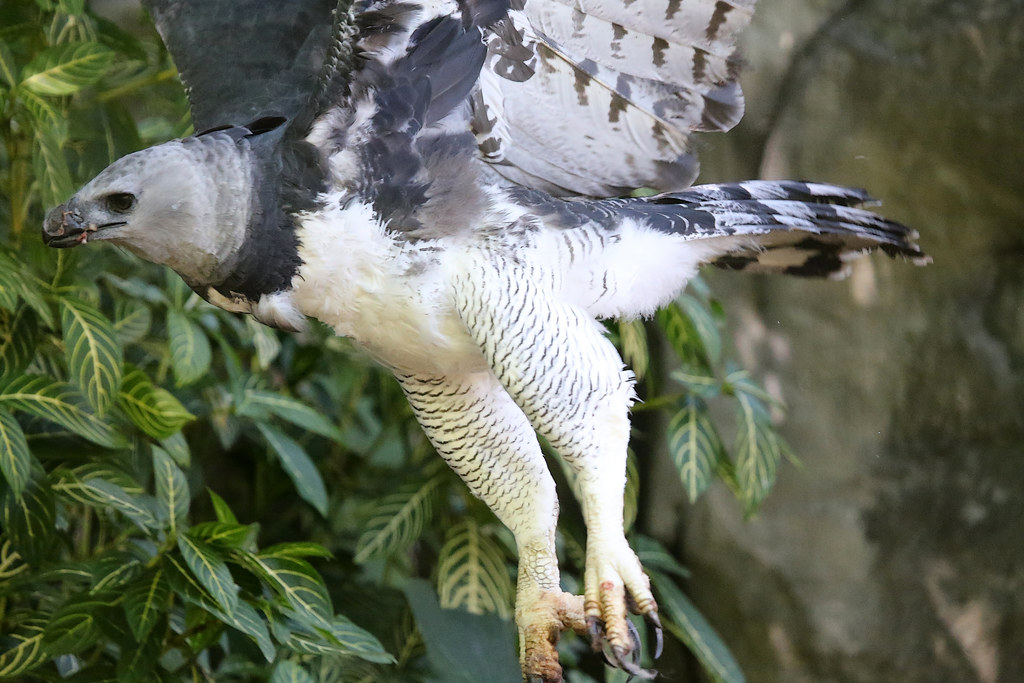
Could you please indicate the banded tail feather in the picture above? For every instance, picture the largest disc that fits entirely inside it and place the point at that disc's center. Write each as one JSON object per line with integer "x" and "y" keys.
{"x": 795, "y": 228}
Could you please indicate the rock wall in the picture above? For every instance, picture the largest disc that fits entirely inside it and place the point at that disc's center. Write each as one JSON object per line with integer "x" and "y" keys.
{"x": 896, "y": 552}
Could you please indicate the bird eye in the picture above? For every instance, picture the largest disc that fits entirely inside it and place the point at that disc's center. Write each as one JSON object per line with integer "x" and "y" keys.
{"x": 120, "y": 202}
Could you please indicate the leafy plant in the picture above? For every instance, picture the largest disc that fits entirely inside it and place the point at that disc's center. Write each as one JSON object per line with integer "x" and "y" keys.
{"x": 139, "y": 425}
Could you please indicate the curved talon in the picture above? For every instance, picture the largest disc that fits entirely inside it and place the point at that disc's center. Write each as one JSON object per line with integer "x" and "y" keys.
{"x": 632, "y": 667}
{"x": 634, "y": 635}
{"x": 595, "y": 628}
{"x": 659, "y": 640}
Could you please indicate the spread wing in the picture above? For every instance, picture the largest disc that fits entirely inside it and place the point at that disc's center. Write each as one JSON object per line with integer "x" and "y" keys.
{"x": 598, "y": 97}
{"x": 586, "y": 97}
{"x": 241, "y": 60}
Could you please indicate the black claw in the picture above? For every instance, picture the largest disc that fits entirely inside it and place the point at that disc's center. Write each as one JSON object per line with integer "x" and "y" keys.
{"x": 595, "y": 627}
{"x": 634, "y": 635}
{"x": 634, "y": 669}
{"x": 659, "y": 641}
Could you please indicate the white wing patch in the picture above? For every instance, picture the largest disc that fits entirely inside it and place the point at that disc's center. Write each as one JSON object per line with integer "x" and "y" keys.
{"x": 599, "y": 97}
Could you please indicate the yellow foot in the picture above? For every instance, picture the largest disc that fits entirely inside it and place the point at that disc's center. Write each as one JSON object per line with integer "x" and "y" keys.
{"x": 541, "y": 622}
{"x": 616, "y": 584}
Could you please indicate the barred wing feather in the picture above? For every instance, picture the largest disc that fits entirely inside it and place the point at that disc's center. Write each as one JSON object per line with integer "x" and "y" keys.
{"x": 598, "y": 97}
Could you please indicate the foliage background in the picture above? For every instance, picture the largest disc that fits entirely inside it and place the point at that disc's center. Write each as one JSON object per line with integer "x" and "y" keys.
{"x": 187, "y": 494}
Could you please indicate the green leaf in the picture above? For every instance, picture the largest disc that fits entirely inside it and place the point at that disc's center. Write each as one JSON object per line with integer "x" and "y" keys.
{"x": 633, "y": 340}
{"x": 138, "y": 507}
{"x": 58, "y": 402}
{"x": 66, "y": 69}
{"x": 145, "y": 599}
{"x": 247, "y": 619}
{"x": 705, "y": 326}
{"x": 221, "y": 508}
{"x": 75, "y": 626}
{"x": 631, "y": 494}
{"x": 255, "y": 402}
{"x": 15, "y": 458}
{"x": 340, "y": 637}
{"x": 397, "y": 521}
{"x": 298, "y": 466}
{"x": 113, "y": 570}
{"x": 226, "y": 535}
{"x": 759, "y": 448}
{"x": 297, "y": 549}
{"x": 29, "y": 519}
{"x": 24, "y": 651}
{"x": 466, "y": 647}
{"x": 265, "y": 341}
{"x": 210, "y": 569}
{"x": 177, "y": 447}
{"x": 132, "y": 321}
{"x": 472, "y": 573}
{"x": 17, "y": 341}
{"x": 93, "y": 352}
{"x": 695, "y": 446}
{"x": 51, "y": 166}
{"x": 682, "y": 335}
{"x": 46, "y": 113}
{"x": 297, "y": 583}
{"x": 171, "y": 489}
{"x": 682, "y": 619}
{"x": 288, "y": 671}
{"x": 190, "y": 348}
{"x": 8, "y": 67}
{"x": 153, "y": 409}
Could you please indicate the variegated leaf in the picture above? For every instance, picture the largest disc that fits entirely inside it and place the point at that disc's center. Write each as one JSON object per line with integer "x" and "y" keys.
{"x": 58, "y": 402}
{"x": 695, "y": 446}
{"x": 66, "y": 69}
{"x": 133, "y": 320}
{"x": 297, "y": 583}
{"x": 15, "y": 458}
{"x": 340, "y": 637}
{"x": 288, "y": 671}
{"x": 93, "y": 352}
{"x": 24, "y": 652}
{"x": 633, "y": 341}
{"x": 17, "y": 341}
{"x": 28, "y": 520}
{"x": 210, "y": 570}
{"x": 76, "y": 624}
{"x": 51, "y": 166}
{"x": 472, "y": 573}
{"x": 397, "y": 520}
{"x": 704, "y": 324}
{"x": 190, "y": 348}
{"x": 172, "y": 491}
{"x": 153, "y": 409}
{"x": 759, "y": 449}
{"x": 145, "y": 599}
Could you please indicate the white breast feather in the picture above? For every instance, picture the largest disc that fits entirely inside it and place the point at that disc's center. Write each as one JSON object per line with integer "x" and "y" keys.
{"x": 381, "y": 292}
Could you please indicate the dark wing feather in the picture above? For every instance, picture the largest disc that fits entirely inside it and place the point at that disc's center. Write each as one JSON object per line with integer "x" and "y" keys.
{"x": 244, "y": 59}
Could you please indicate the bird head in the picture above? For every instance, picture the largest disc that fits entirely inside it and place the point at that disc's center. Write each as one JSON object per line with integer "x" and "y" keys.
{"x": 184, "y": 204}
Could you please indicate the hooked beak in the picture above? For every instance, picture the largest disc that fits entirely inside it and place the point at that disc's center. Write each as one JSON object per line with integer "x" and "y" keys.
{"x": 65, "y": 227}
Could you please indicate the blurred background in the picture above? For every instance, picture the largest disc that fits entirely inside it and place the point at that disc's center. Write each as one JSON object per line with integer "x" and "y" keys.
{"x": 896, "y": 551}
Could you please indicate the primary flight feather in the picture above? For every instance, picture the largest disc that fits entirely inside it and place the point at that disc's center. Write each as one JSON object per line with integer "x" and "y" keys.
{"x": 429, "y": 178}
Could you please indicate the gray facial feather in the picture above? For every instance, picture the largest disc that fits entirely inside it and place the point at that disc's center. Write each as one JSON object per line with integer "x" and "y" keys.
{"x": 192, "y": 202}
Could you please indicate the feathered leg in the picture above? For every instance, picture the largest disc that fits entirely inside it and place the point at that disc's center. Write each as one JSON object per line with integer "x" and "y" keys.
{"x": 485, "y": 437}
{"x": 557, "y": 365}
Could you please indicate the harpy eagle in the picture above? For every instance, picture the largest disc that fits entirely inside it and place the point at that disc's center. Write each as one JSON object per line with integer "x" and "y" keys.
{"x": 430, "y": 178}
